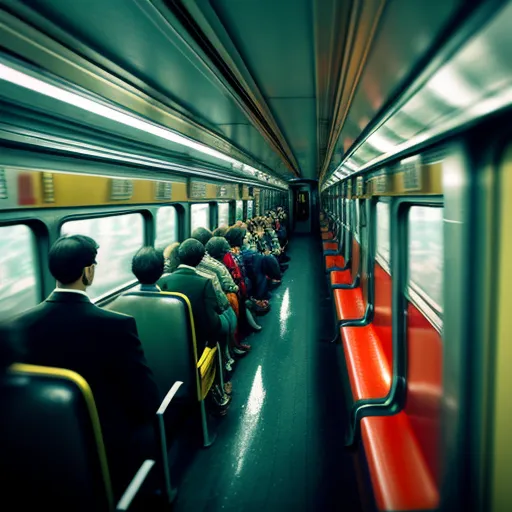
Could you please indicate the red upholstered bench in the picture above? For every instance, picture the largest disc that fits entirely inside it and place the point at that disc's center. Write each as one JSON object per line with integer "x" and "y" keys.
{"x": 334, "y": 261}
{"x": 349, "y": 303}
{"x": 399, "y": 474}
{"x": 341, "y": 277}
{"x": 369, "y": 370}
{"x": 330, "y": 246}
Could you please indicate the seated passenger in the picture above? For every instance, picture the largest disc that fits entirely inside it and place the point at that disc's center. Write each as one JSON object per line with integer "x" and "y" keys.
{"x": 219, "y": 249}
{"x": 171, "y": 258}
{"x": 148, "y": 267}
{"x": 202, "y": 297}
{"x": 68, "y": 331}
{"x": 220, "y": 231}
{"x": 251, "y": 266}
{"x": 210, "y": 264}
{"x": 227, "y": 315}
{"x": 199, "y": 291}
{"x": 267, "y": 241}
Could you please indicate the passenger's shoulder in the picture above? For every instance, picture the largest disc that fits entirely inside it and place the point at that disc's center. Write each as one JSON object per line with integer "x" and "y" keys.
{"x": 111, "y": 316}
{"x": 27, "y": 317}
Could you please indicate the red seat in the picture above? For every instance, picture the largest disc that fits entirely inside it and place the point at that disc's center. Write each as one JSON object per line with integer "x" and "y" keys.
{"x": 327, "y": 235}
{"x": 400, "y": 477}
{"x": 334, "y": 261}
{"x": 368, "y": 367}
{"x": 330, "y": 246}
{"x": 341, "y": 277}
{"x": 349, "y": 303}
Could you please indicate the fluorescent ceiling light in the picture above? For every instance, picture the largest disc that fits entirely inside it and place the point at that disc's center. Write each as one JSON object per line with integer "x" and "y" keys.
{"x": 21, "y": 79}
{"x": 451, "y": 98}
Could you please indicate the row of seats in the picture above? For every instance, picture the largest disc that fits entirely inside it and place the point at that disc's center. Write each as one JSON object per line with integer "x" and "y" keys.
{"x": 68, "y": 428}
{"x": 67, "y": 432}
{"x": 173, "y": 358}
{"x": 398, "y": 449}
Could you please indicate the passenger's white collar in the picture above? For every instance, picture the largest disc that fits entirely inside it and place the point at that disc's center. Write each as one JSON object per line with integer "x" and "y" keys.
{"x": 67, "y": 290}
{"x": 186, "y": 266}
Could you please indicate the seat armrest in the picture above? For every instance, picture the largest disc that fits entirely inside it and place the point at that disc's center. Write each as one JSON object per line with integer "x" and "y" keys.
{"x": 168, "y": 398}
{"x": 135, "y": 485}
{"x": 162, "y": 439}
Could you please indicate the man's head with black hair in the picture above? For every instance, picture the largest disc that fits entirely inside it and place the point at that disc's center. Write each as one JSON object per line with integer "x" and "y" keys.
{"x": 72, "y": 260}
{"x": 148, "y": 265}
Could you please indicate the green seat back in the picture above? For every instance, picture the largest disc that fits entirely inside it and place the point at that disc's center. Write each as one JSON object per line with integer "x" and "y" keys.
{"x": 166, "y": 330}
{"x": 51, "y": 449}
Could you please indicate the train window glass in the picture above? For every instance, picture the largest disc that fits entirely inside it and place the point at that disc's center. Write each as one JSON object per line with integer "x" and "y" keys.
{"x": 200, "y": 216}
{"x": 119, "y": 238}
{"x": 239, "y": 210}
{"x": 223, "y": 214}
{"x": 249, "y": 209}
{"x": 18, "y": 279}
{"x": 383, "y": 233}
{"x": 166, "y": 226}
{"x": 356, "y": 218}
{"x": 425, "y": 235}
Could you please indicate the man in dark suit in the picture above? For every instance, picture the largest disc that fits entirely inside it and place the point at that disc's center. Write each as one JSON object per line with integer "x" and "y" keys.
{"x": 198, "y": 289}
{"x": 67, "y": 330}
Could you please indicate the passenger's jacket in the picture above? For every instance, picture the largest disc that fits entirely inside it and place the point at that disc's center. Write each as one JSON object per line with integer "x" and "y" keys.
{"x": 69, "y": 331}
{"x": 201, "y": 295}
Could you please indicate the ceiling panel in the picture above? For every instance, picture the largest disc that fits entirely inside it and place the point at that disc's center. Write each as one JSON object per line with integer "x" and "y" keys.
{"x": 407, "y": 30}
{"x": 133, "y": 36}
{"x": 300, "y": 127}
{"x": 275, "y": 41}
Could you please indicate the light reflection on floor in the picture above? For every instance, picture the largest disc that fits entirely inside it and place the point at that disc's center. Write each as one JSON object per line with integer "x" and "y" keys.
{"x": 250, "y": 419}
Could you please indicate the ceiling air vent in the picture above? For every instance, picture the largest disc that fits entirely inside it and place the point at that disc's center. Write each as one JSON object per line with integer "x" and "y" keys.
{"x": 163, "y": 190}
{"x": 48, "y": 187}
{"x": 121, "y": 189}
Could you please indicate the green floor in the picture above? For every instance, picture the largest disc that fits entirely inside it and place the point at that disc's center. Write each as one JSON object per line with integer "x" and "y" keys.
{"x": 281, "y": 445}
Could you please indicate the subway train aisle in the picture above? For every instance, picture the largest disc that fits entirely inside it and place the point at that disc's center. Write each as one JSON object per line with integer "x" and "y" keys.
{"x": 280, "y": 447}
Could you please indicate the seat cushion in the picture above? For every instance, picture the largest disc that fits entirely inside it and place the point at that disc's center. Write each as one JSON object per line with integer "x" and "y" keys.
{"x": 399, "y": 475}
{"x": 341, "y": 277}
{"x": 349, "y": 303}
{"x": 330, "y": 246}
{"x": 334, "y": 261}
{"x": 368, "y": 368}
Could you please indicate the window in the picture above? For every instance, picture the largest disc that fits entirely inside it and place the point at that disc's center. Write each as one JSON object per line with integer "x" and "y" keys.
{"x": 200, "y": 216}
{"x": 383, "y": 233}
{"x": 119, "y": 238}
{"x": 425, "y": 233}
{"x": 166, "y": 226}
{"x": 356, "y": 218}
{"x": 250, "y": 209}
{"x": 18, "y": 283}
{"x": 239, "y": 210}
{"x": 223, "y": 214}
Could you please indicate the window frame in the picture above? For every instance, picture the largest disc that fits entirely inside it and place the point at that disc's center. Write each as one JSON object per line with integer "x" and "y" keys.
{"x": 243, "y": 209}
{"x": 247, "y": 209}
{"x": 425, "y": 304}
{"x": 207, "y": 203}
{"x": 147, "y": 218}
{"x": 228, "y": 203}
{"x": 356, "y": 215}
{"x": 39, "y": 231}
{"x": 155, "y": 222}
{"x": 386, "y": 265}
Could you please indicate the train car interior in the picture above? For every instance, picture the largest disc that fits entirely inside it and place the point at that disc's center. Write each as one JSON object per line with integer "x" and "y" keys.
{"x": 255, "y": 254}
